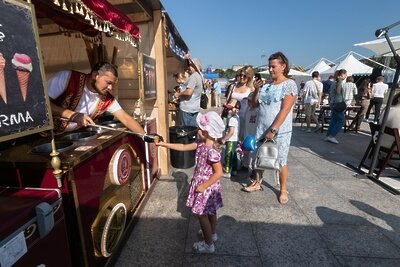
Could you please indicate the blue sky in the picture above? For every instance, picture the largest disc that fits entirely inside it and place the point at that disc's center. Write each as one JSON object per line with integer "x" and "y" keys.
{"x": 223, "y": 33}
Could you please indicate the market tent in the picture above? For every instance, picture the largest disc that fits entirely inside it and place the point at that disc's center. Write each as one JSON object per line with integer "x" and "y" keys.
{"x": 351, "y": 64}
{"x": 321, "y": 66}
{"x": 380, "y": 47}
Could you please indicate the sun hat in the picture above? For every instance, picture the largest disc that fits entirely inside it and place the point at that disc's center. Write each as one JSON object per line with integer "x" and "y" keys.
{"x": 212, "y": 123}
{"x": 195, "y": 62}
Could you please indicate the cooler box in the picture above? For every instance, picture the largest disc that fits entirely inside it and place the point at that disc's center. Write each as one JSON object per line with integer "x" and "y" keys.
{"x": 32, "y": 228}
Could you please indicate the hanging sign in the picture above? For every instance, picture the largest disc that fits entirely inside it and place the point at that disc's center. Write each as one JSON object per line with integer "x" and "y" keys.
{"x": 147, "y": 77}
{"x": 24, "y": 104}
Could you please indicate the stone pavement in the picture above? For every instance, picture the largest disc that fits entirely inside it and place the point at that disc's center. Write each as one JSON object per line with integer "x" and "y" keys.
{"x": 334, "y": 217}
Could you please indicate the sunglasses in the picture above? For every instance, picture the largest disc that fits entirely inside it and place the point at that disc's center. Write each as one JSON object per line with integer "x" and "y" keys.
{"x": 242, "y": 76}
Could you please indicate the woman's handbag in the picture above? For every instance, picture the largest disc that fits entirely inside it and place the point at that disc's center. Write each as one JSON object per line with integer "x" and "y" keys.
{"x": 267, "y": 156}
{"x": 340, "y": 106}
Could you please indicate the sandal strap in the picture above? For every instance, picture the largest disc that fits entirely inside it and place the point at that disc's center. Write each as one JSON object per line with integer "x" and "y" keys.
{"x": 253, "y": 187}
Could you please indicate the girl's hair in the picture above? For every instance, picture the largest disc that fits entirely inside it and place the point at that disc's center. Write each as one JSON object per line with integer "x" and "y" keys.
{"x": 103, "y": 67}
{"x": 350, "y": 79}
{"x": 283, "y": 60}
{"x": 364, "y": 87}
{"x": 340, "y": 73}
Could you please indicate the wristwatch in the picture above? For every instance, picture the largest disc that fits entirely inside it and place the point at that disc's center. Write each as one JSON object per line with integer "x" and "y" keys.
{"x": 274, "y": 131}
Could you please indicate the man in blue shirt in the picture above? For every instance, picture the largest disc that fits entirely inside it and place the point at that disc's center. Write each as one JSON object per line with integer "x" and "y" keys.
{"x": 326, "y": 86}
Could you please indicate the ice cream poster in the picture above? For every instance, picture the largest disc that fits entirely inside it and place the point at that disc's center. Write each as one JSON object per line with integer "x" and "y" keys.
{"x": 24, "y": 104}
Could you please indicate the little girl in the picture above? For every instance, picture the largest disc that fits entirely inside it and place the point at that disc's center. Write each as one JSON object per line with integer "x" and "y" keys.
{"x": 205, "y": 189}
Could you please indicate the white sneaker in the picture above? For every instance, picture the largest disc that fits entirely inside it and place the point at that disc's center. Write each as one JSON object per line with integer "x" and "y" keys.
{"x": 214, "y": 237}
{"x": 332, "y": 140}
{"x": 227, "y": 175}
{"x": 202, "y": 247}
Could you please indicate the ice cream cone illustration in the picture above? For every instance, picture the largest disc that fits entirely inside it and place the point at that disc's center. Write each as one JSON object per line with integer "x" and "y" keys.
{"x": 3, "y": 92}
{"x": 23, "y": 66}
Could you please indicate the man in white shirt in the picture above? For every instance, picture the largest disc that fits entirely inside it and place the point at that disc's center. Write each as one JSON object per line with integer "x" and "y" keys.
{"x": 379, "y": 89}
{"x": 312, "y": 98}
{"x": 79, "y": 99}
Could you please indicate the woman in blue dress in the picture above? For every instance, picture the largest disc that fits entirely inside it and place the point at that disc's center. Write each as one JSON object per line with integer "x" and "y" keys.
{"x": 275, "y": 101}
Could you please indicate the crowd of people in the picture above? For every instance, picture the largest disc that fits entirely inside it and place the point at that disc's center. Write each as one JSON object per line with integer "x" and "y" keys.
{"x": 340, "y": 90}
{"x": 220, "y": 135}
{"x": 252, "y": 107}
{"x": 263, "y": 110}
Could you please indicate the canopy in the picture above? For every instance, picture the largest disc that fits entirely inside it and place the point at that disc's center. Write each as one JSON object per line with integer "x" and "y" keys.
{"x": 351, "y": 65}
{"x": 210, "y": 75}
{"x": 381, "y": 47}
{"x": 292, "y": 72}
{"x": 88, "y": 17}
{"x": 320, "y": 67}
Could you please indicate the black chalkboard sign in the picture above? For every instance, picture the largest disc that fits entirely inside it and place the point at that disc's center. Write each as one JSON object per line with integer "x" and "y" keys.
{"x": 147, "y": 77}
{"x": 24, "y": 104}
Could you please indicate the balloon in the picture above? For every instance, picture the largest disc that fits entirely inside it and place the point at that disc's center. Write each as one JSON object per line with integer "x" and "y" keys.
{"x": 249, "y": 143}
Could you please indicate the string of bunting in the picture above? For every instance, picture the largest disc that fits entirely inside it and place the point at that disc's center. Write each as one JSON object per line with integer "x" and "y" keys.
{"x": 79, "y": 8}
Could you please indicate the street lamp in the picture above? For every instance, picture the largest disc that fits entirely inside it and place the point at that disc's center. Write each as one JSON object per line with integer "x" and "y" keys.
{"x": 262, "y": 56}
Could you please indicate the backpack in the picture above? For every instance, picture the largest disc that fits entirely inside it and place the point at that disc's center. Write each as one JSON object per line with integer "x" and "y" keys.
{"x": 267, "y": 156}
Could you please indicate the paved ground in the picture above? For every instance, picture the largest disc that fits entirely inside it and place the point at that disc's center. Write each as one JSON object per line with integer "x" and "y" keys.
{"x": 333, "y": 218}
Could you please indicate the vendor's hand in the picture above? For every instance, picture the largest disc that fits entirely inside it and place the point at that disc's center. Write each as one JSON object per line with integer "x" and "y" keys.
{"x": 258, "y": 83}
{"x": 153, "y": 138}
{"x": 82, "y": 119}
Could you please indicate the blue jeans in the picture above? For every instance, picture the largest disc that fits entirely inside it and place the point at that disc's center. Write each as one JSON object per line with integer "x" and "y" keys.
{"x": 188, "y": 119}
{"x": 336, "y": 123}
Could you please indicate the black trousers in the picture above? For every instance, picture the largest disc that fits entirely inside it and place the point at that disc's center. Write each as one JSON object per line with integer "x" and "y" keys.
{"x": 377, "y": 104}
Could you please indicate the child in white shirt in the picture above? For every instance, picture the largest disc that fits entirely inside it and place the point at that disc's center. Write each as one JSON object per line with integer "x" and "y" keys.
{"x": 231, "y": 139}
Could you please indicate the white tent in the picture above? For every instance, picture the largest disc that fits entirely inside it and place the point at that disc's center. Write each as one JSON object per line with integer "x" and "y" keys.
{"x": 381, "y": 47}
{"x": 321, "y": 66}
{"x": 351, "y": 64}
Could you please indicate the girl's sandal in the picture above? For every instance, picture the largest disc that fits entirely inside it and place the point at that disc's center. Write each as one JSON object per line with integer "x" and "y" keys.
{"x": 283, "y": 198}
{"x": 255, "y": 186}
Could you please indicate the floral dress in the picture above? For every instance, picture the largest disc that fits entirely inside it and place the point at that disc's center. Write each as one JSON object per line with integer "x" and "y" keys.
{"x": 270, "y": 100}
{"x": 210, "y": 200}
